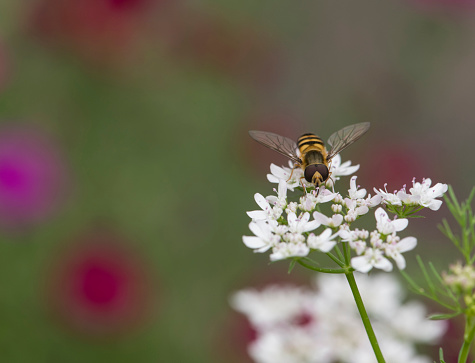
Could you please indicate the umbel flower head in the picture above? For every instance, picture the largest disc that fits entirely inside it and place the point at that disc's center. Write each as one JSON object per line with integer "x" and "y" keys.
{"x": 300, "y": 324}
{"x": 322, "y": 220}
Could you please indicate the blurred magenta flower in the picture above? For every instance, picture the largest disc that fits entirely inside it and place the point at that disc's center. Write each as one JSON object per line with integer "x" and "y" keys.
{"x": 100, "y": 285}
{"x": 32, "y": 176}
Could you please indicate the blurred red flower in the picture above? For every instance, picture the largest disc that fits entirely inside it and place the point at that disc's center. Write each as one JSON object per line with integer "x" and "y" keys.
{"x": 32, "y": 176}
{"x": 100, "y": 285}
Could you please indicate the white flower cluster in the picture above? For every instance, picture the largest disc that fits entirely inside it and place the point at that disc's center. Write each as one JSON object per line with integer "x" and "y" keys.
{"x": 303, "y": 325}
{"x": 460, "y": 278}
{"x": 421, "y": 194}
{"x": 289, "y": 229}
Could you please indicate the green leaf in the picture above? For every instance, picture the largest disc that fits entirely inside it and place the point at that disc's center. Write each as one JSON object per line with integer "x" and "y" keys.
{"x": 443, "y": 316}
{"x": 292, "y": 265}
{"x": 441, "y": 355}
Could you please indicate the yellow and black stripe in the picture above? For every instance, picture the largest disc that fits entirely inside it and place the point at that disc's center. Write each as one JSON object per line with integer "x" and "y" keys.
{"x": 308, "y": 142}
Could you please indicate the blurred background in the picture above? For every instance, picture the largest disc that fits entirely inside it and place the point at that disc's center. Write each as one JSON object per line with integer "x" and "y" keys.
{"x": 126, "y": 168}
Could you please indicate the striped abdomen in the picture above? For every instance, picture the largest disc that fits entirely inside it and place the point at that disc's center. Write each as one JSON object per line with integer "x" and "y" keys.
{"x": 312, "y": 149}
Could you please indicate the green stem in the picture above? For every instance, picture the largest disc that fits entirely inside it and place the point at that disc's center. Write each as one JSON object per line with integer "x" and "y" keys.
{"x": 322, "y": 269}
{"x": 364, "y": 316}
{"x": 347, "y": 252}
{"x": 336, "y": 259}
{"x": 467, "y": 339}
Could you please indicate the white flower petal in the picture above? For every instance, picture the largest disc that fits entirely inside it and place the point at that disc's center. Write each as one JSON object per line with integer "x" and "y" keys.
{"x": 254, "y": 242}
{"x": 361, "y": 264}
{"x": 400, "y": 261}
{"x": 261, "y": 201}
{"x": 400, "y": 224}
{"x": 435, "y": 205}
{"x": 257, "y": 214}
{"x": 407, "y": 244}
{"x": 384, "y": 264}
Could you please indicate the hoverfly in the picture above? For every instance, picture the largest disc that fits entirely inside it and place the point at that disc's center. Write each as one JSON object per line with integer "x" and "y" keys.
{"x": 314, "y": 159}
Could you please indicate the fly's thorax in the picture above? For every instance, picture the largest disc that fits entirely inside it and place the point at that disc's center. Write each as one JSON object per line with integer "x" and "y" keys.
{"x": 314, "y": 157}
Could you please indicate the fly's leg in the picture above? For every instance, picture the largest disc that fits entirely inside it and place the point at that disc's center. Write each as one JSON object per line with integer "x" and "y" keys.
{"x": 303, "y": 185}
{"x": 296, "y": 165}
{"x": 330, "y": 176}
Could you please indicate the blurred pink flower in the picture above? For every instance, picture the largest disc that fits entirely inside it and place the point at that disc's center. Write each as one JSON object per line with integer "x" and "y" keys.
{"x": 100, "y": 285}
{"x": 32, "y": 176}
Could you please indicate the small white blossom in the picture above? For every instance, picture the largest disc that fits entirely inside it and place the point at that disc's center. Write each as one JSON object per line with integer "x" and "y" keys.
{"x": 386, "y": 225}
{"x": 324, "y": 195}
{"x": 395, "y": 250}
{"x": 263, "y": 239}
{"x": 323, "y": 242}
{"x": 460, "y": 277}
{"x": 422, "y": 194}
{"x": 301, "y": 224}
{"x": 388, "y": 198}
{"x": 353, "y": 192}
{"x": 280, "y": 200}
{"x": 293, "y": 237}
{"x": 354, "y": 210}
{"x": 267, "y": 212}
{"x": 291, "y": 175}
{"x": 278, "y": 229}
{"x": 333, "y": 221}
{"x": 285, "y": 250}
{"x": 338, "y": 169}
{"x": 338, "y": 199}
{"x": 308, "y": 202}
{"x": 292, "y": 207}
{"x": 351, "y": 216}
{"x": 370, "y": 201}
{"x": 358, "y": 246}
{"x": 346, "y": 234}
{"x": 337, "y": 208}
{"x": 376, "y": 240}
{"x": 371, "y": 258}
{"x": 355, "y": 238}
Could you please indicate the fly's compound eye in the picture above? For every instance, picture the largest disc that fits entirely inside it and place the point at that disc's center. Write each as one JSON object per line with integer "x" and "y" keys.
{"x": 323, "y": 170}
{"x": 316, "y": 168}
{"x": 310, "y": 171}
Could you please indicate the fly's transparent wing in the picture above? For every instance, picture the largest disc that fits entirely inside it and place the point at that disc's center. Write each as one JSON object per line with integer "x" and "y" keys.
{"x": 345, "y": 137}
{"x": 281, "y": 144}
